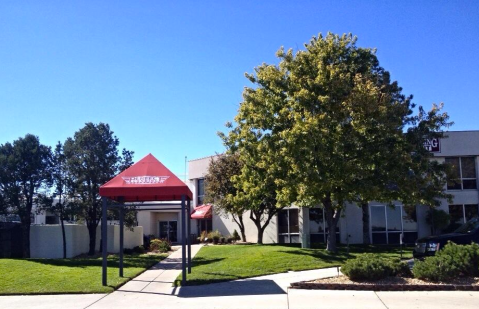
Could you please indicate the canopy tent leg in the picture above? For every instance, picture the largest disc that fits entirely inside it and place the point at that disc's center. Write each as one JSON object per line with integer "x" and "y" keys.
{"x": 183, "y": 240}
{"x": 122, "y": 219}
{"x": 104, "y": 240}
{"x": 188, "y": 212}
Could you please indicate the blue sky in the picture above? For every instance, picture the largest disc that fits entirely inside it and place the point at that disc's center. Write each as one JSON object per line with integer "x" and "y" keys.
{"x": 167, "y": 75}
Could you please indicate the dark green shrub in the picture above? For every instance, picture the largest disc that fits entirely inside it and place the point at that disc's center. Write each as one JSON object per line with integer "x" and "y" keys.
{"x": 399, "y": 268}
{"x": 230, "y": 240}
{"x": 449, "y": 263}
{"x": 435, "y": 268}
{"x": 236, "y": 236}
{"x": 222, "y": 240}
{"x": 139, "y": 249}
{"x": 161, "y": 245}
{"x": 464, "y": 257}
{"x": 127, "y": 251}
{"x": 369, "y": 266}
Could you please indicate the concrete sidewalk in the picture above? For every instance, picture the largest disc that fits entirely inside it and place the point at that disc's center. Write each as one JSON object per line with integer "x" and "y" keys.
{"x": 153, "y": 289}
{"x": 160, "y": 278}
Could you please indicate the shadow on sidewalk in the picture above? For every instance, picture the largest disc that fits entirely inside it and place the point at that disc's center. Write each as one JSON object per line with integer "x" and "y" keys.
{"x": 232, "y": 288}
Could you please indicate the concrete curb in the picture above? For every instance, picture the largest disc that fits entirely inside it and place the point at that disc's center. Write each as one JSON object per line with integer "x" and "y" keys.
{"x": 382, "y": 287}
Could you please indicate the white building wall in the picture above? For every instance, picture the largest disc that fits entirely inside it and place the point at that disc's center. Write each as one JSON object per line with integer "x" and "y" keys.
{"x": 46, "y": 240}
{"x": 351, "y": 225}
{"x": 226, "y": 226}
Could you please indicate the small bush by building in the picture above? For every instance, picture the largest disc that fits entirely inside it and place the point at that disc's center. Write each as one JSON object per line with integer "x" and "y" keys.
{"x": 160, "y": 245}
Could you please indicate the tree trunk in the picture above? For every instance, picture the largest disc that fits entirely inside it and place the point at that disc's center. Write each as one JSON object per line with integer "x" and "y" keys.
{"x": 92, "y": 233}
{"x": 64, "y": 237}
{"x": 332, "y": 217}
{"x": 240, "y": 223}
{"x": 256, "y": 218}
{"x": 257, "y": 221}
{"x": 365, "y": 209}
{"x": 260, "y": 236}
{"x": 331, "y": 245}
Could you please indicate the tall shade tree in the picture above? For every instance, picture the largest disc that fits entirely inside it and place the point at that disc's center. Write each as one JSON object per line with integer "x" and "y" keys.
{"x": 220, "y": 189}
{"x": 329, "y": 126}
{"x": 262, "y": 175}
{"x": 92, "y": 159}
{"x": 25, "y": 168}
{"x": 59, "y": 202}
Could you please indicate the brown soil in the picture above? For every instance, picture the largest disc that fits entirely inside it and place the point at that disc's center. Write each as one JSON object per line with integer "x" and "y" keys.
{"x": 397, "y": 281}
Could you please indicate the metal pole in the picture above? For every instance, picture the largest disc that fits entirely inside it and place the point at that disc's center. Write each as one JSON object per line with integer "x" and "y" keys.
{"x": 104, "y": 243}
{"x": 189, "y": 234}
{"x": 183, "y": 241}
{"x": 122, "y": 219}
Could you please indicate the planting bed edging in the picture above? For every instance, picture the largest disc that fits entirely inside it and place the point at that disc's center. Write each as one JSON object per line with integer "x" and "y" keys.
{"x": 382, "y": 287}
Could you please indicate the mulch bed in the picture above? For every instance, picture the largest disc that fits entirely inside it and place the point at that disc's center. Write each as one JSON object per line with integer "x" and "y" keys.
{"x": 388, "y": 284}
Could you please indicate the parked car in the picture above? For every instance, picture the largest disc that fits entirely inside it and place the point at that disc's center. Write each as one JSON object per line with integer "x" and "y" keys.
{"x": 464, "y": 235}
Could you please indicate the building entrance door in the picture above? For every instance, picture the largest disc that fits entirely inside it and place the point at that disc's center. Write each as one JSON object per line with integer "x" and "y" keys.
{"x": 169, "y": 230}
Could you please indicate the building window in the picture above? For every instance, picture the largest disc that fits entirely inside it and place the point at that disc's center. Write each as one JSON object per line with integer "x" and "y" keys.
{"x": 201, "y": 191}
{"x": 205, "y": 226}
{"x": 463, "y": 175}
{"x": 389, "y": 224}
{"x": 460, "y": 214}
{"x": 318, "y": 230}
{"x": 288, "y": 226}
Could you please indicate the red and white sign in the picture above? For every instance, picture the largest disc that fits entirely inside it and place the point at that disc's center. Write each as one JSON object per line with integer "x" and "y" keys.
{"x": 432, "y": 144}
{"x": 145, "y": 180}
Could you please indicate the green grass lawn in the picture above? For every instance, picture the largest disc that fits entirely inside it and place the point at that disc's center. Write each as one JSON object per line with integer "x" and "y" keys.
{"x": 52, "y": 276}
{"x": 230, "y": 262}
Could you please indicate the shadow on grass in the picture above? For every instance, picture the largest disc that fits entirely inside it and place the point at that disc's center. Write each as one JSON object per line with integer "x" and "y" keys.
{"x": 230, "y": 288}
{"x": 128, "y": 262}
{"x": 324, "y": 256}
{"x": 199, "y": 261}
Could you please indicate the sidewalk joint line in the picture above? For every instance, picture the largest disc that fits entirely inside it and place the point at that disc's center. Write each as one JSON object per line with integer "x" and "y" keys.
{"x": 98, "y": 299}
{"x": 380, "y": 300}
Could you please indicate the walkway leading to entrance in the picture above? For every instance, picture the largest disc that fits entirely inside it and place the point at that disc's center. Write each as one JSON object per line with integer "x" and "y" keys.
{"x": 160, "y": 278}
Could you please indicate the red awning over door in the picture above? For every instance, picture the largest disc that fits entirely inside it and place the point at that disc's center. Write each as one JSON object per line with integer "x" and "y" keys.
{"x": 202, "y": 212}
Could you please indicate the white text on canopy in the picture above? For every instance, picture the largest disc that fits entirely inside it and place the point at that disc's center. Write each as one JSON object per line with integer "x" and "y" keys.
{"x": 145, "y": 180}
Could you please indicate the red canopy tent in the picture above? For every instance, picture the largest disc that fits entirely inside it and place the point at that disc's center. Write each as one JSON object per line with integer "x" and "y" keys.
{"x": 147, "y": 180}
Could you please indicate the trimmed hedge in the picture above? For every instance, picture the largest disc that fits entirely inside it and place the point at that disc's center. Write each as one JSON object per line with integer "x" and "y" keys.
{"x": 371, "y": 267}
{"x": 451, "y": 262}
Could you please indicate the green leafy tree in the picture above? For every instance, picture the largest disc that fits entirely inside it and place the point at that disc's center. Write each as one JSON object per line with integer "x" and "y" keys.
{"x": 25, "y": 168}
{"x": 327, "y": 126}
{"x": 92, "y": 159}
{"x": 220, "y": 189}
{"x": 59, "y": 202}
{"x": 262, "y": 174}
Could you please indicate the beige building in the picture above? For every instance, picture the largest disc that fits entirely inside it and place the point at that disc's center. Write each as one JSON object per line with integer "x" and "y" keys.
{"x": 292, "y": 225}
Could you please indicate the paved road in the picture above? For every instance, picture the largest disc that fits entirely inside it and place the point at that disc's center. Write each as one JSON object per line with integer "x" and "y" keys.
{"x": 153, "y": 289}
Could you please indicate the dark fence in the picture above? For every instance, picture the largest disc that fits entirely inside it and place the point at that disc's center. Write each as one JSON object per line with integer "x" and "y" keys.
{"x": 11, "y": 240}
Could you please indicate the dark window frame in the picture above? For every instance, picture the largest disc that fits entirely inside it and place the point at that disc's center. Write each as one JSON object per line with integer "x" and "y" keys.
{"x": 289, "y": 235}
{"x": 388, "y": 233}
{"x": 325, "y": 230}
{"x": 456, "y": 184}
{"x": 200, "y": 197}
